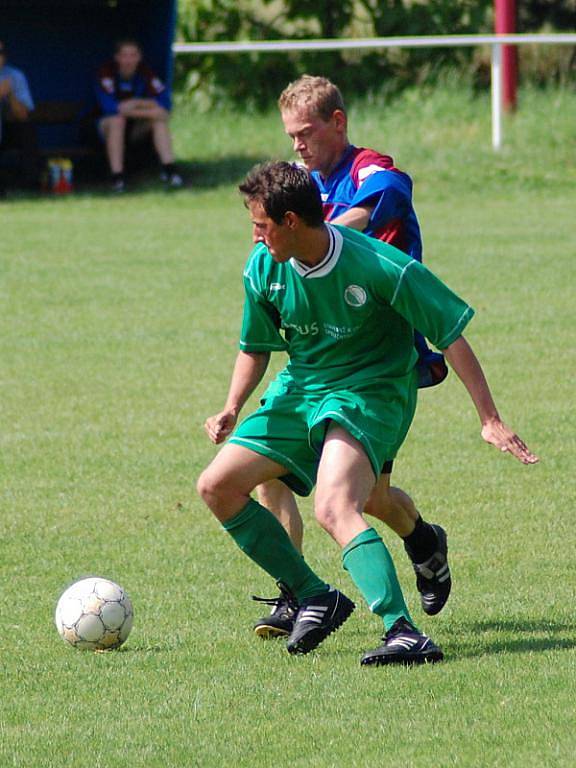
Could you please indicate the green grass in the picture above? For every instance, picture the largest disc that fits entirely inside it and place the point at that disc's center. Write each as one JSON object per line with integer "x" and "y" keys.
{"x": 118, "y": 328}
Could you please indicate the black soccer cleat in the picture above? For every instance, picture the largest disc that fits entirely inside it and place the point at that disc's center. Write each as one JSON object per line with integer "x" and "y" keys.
{"x": 433, "y": 579}
{"x": 280, "y": 622}
{"x": 403, "y": 644}
{"x": 317, "y": 618}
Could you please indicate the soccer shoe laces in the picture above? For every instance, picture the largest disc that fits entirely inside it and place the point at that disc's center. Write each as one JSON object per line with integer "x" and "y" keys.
{"x": 400, "y": 629}
{"x": 286, "y": 597}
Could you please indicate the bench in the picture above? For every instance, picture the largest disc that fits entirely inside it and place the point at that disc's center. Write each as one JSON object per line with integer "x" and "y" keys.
{"x": 72, "y": 113}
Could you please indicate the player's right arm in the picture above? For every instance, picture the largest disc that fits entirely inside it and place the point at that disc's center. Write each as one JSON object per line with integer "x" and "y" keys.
{"x": 355, "y": 218}
{"x": 259, "y": 337}
{"x": 249, "y": 369}
{"x": 106, "y": 92}
{"x": 141, "y": 109}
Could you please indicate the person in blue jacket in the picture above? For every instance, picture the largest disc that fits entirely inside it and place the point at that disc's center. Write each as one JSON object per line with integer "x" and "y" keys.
{"x": 133, "y": 102}
{"x": 17, "y": 130}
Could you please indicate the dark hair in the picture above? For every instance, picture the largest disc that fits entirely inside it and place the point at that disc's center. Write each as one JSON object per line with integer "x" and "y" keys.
{"x": 281, "y": 187}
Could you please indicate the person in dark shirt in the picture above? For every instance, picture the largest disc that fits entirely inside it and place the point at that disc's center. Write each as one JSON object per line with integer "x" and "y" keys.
{"x": 133, "y": 102}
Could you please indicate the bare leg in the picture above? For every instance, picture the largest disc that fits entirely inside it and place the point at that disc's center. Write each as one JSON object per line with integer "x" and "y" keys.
{"x": 279, "y": 499}
{"x": 114, "y": 129}
{"x": 226, "y": 484}
{"x": 163, "y": 140}
{"x": 392, "y": 506}
{"x": 342, "y": 495}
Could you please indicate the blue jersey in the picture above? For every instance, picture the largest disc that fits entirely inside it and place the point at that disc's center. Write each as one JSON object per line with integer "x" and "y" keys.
{"x": 111, "y": 88}
{"x": 20, "y": 87}
{"x": 365, "y": 177}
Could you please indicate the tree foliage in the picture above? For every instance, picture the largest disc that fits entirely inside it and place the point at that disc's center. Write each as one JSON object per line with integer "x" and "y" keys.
{"x": 256, "y": 79}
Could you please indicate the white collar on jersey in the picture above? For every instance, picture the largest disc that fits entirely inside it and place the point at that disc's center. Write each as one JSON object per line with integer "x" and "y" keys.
{"x": 328, "y": 262}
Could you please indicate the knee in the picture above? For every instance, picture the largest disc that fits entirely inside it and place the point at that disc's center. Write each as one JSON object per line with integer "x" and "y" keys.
{"x": 211, "y": 488}
{"x": 326, "y": 512}
{"x": 114, "y": 124}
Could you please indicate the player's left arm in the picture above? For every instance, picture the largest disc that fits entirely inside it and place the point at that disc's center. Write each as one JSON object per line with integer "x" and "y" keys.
{"x": 462, "y": 359}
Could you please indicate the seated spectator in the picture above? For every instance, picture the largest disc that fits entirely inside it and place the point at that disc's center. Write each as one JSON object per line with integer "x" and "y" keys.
{"x": 133, "y": 103}
{"x": 16, "y": 129}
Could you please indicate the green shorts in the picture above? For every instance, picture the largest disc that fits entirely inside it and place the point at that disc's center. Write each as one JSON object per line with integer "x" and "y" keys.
{"x": 290, "y": 426}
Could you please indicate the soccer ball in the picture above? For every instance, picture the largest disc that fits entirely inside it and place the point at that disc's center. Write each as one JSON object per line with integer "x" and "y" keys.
{"x": 94, "y": 614}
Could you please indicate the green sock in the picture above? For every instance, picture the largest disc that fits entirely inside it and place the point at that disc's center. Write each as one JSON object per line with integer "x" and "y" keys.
{"x": 259, "y": 534}
{"x": 369, "y": 564}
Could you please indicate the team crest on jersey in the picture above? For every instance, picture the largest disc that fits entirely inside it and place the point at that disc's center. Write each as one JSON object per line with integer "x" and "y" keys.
{"x": 355, "y": 296}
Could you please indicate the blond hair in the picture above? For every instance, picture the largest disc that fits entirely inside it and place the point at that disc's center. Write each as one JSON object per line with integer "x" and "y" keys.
{"x": 316, "y": 94}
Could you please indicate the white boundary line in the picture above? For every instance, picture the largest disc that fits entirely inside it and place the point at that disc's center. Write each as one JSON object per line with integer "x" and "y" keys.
{"x": 446, "y": 41}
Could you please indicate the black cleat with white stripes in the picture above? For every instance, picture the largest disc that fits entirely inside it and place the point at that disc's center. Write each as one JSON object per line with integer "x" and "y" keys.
{"x": 433, "y": 579}
{"x": 280, "y": 622}
{"x": 317, "y": 618}
{"x": 403, "y": 644}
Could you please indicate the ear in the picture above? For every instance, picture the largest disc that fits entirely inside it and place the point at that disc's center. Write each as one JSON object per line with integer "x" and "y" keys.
{"x": 340, "y": 119}
{"x": 291, "y": 219}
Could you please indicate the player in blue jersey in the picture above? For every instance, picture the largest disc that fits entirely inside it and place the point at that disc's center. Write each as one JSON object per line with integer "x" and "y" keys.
{"x": 343, "y": 307}
{"x": 133, "y": 102}
{"x": 362, "y": 189}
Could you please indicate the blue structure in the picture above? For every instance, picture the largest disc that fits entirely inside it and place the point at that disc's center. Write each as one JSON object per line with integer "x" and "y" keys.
{"x": 61, "y": 43}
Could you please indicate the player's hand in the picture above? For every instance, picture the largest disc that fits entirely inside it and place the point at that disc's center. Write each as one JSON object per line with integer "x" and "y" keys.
{"x": 498, "y": 434}
{"x": 220, "y": 426}
{"x": 127, "y": 107}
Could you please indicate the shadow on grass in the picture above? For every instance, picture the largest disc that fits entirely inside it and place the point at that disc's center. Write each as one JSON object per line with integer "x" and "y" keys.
{"x": 141, "y": 648}
{"x": 204, "y": 175}
{"x": 497, "y": 636}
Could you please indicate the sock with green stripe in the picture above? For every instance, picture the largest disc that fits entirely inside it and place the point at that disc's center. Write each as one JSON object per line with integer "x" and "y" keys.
{"x": 259, "y": 534}
{"x": 369, "y": 564}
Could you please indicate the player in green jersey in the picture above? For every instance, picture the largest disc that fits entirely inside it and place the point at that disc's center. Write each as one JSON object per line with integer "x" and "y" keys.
{"x": 344, "y": 307}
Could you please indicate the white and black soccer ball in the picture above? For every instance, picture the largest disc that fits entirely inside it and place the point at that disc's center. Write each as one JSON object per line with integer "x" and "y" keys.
{"x": 95, "y": 614}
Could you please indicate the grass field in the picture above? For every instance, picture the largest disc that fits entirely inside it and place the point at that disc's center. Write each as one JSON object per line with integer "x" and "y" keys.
{"x": 118, "y": 327}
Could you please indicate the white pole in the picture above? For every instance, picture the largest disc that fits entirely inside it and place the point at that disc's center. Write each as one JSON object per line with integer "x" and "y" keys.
{"x": 496, "y": 95}
{"x": 494, "y": 41}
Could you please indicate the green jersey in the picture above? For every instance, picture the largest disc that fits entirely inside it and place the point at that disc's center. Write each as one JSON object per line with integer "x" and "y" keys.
{"x": 348, "y": 321}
